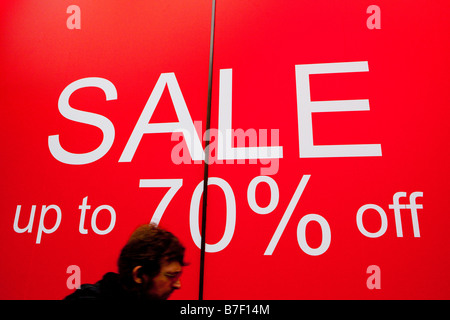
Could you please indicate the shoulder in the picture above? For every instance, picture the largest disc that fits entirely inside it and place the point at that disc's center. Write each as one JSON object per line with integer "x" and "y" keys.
{"x": 85, "y": 292}
{"x": 106, "y": 288}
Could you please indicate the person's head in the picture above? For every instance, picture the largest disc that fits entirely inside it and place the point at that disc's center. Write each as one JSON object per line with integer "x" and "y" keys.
{"x": 151, "y": 262}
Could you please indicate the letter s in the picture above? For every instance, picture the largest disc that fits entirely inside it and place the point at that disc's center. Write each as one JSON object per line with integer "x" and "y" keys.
{"x": 93, "y": 119}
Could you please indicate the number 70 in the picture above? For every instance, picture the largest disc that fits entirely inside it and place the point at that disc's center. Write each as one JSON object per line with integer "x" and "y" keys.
{"x": 174, "y": 185}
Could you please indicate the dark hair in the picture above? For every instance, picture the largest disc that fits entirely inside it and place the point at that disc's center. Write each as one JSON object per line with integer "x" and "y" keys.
{"x": 149, "y": 246}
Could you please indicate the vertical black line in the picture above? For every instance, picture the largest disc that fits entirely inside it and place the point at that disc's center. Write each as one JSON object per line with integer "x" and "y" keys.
{"x": 206, "y": 165}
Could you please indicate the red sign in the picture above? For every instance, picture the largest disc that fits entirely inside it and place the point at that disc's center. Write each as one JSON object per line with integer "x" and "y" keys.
{"x": 327, "y": 164}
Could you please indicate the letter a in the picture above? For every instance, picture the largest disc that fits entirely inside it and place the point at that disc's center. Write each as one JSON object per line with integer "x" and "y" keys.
{"x": 74, "y": 281}
{"x": 184, "y": 124}
{"x": 374, "y": 281}
{"x": 74, "y": 21}
{"x": 374, "y": 21}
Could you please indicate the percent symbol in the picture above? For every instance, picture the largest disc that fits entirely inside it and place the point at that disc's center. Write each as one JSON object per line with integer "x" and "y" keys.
{"x": 301, "y": 229}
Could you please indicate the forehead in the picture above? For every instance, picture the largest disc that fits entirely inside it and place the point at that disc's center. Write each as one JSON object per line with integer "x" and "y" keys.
{"x": 171, "y": 266}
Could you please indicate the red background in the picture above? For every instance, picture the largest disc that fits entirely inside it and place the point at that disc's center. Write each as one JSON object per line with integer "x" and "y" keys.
{"x": 262, "y": 41}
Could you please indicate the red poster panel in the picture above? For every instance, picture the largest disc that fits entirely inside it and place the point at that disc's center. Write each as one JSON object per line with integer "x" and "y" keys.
{"x": 327, "y": 164}
{"x": 329, "y": 174}
{"x": 90, "y": 94}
